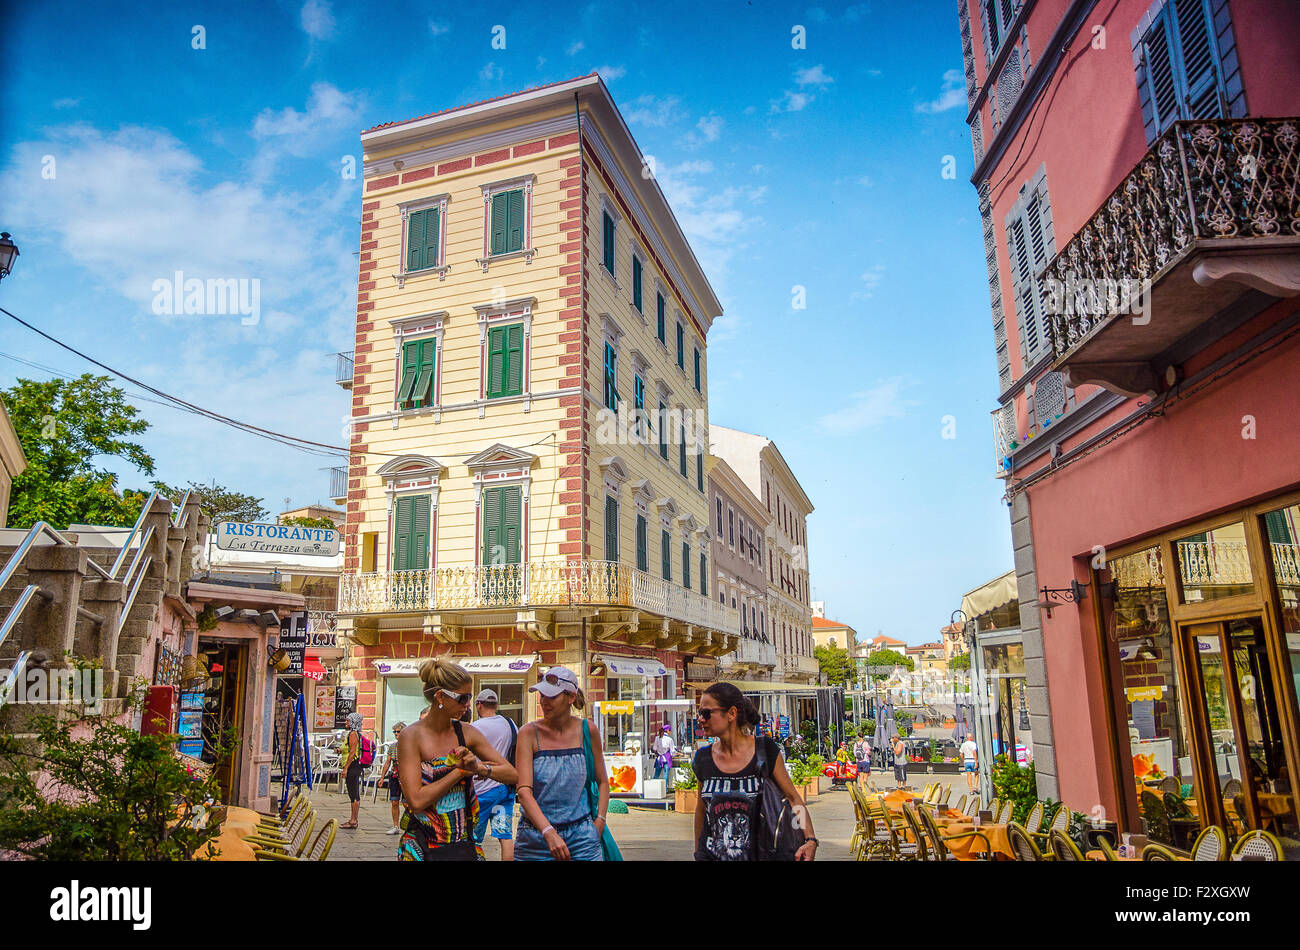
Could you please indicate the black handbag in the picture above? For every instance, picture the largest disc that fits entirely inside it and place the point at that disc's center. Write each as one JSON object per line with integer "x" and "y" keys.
{"x": 779, "y": 833}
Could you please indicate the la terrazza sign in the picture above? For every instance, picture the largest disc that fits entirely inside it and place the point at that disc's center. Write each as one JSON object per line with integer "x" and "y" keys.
{"x": 277, "y": 539}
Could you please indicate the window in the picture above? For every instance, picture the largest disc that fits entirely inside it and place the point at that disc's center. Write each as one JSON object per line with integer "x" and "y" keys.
{"x": 611, "y": 393}
{"x": 422, "y": 230}
{"x": 505, "y": 375}
{"x": 642, "y": 553}
{"x": 666, "y": 555}
{"x": 416, "y": 388}
{"x": 501, "y": 523}
{"x": 731, "y": 527}
{"x": 611, "y": 529}
{"x": 663, "y": 431}
{"x": 686, "y": 565}
{"x": 699, "y": 471}
{"x": 719, "y": 501}
{"x": 681, "y": 347}
{"x": 1181, "y": 70}
{"x": 638, "y": 396}
{"x": 681, "y": 449}
{"x": 697, "y": 370}
{"x": 411, "y": 533}
{"x": 609, "y": 243}
{"x": 741, "y": 520}
{"x": 507, "y": 224}
{"x": 636, "y": 281}
{"x": 704, "y": 575}
{"x": 1030, "y": 244}
{"x": 659, "y": 309}
{"x": 997, "y": 16}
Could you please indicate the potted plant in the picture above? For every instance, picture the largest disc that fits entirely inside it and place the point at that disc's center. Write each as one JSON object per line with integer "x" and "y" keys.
{"x": 687, "y": 791}
{"x": 814, "y": 765}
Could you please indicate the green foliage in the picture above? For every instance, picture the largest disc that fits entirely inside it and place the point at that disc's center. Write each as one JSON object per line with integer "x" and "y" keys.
{"x": 834, "y": 663}
{"x": 688, "y": 780}
{"x": 935, "y": 754}
{"x": 309, "y": 522}
{"x": 808, "y": 729}
{"x": 960, "y": 662}
{"x": 805, "y": 770}
{"x": 903, "y": 720}
{"x": 850, "y": 730}
{"x": 1015, "y": 783}
{"x": 890, "y": 658}
{"x": 63, "y": 425}
{"x": 869, "y": 726}
{"x": 219, "y": 503}
{"x": 112, "y": 794}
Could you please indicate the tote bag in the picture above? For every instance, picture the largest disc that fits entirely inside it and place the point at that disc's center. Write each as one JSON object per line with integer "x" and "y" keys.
{"x": 607, "y": 845}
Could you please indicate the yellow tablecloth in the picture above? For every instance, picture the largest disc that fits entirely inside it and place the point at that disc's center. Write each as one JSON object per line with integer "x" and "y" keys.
{"x": 1099, "y": 855}
{"x": 967, "y": 849}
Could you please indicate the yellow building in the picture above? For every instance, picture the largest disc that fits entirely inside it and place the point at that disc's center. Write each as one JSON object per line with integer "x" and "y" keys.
{"x": 528, "y": 408}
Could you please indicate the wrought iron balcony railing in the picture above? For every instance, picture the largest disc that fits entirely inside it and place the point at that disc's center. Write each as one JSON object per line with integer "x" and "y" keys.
{"x": 752, "y": 652}
{"x": 338, "y": 483}
{"x": 1202, "y": 181}
{"x": 549, "y": 584}
{"x": 343, "y": 369}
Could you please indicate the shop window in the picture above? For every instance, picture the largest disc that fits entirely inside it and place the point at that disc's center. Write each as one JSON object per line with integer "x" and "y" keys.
{"x": 510, "y": 696}
{"x": 403, "y": 702}
{"x": 1214, "y": 564}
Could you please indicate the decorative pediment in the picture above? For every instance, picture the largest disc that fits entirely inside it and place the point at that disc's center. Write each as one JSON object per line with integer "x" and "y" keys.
{"x": 689, "y": 524}
{"x": 411, "y": 467}
{"x": 615, "y": 471}
{"x": 500, "y": 456}
{"x": 667, "y": 509}
{"x": 640, "y": 364}
{"x": 610, "y": 329}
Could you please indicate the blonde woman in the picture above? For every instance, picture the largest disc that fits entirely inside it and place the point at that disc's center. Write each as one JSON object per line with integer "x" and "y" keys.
{"x": 557, "y": 823}
{"x": 437, "y": 756}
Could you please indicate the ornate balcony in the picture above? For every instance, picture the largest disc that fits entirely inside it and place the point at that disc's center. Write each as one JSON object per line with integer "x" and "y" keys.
{"x": 543, "y": 594}
{"x": 1211, "y": 210}
{"x": 751, "y": 653}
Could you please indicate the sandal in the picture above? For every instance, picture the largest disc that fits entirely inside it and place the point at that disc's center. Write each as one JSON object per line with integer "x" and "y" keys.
{"x": 349, "y": 825}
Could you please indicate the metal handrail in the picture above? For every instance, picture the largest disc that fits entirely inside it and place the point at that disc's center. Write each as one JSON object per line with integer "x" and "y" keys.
{"x": 20, "y": 665}
{"x": 11, "y": 619}
{"x": 135, "y": 589}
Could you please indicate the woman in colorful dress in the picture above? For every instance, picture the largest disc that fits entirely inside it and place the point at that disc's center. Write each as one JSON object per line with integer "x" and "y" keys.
{"x": 437, "y": 756}
{"x": 557, "y": 823}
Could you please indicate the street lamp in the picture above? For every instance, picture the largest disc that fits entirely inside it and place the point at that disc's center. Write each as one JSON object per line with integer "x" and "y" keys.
{"x": 8, "y": 253}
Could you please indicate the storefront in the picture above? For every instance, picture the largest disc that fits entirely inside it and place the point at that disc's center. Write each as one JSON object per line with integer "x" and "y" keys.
{"x": 400, "y": 692}
{"x": 1202, "y": 654}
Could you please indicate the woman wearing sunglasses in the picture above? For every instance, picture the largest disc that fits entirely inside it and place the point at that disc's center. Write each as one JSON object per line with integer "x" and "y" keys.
{"x": 727, "y": 811}
{"x": 557, "y": 823}
{"x": 440, "y": 804}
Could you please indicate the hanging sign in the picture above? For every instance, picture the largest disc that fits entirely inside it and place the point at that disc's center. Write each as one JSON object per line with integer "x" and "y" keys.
{"x": 617, "y": 707}
{"x": 1138, "y": 693}
{"x": 277, "y": 539}
{"x": 293, "y": 640}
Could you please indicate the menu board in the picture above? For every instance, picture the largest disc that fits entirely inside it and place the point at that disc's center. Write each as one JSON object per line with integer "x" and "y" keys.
{"x": 324, "y": 719}
{"x": 345, "y": 703}
{"x": 293, "y": 640}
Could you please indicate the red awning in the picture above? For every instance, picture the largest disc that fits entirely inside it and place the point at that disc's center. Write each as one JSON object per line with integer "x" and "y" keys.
{"x": 312, "y": 669}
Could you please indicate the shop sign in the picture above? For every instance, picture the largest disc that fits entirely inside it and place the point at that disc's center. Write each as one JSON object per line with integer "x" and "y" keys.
{"x": 293, "y": 640}
{"x": 1138, "y": 693}
{"x": 700, "y": 670}
{"x": 783, "y": 725}
{"x": 617, "y": 707}
{"x": 625, "y": 776}
{"x": 345, "y": 703}
{"x": 324, "y": 709}
{"x": 277, "y": 539}
{"x": 509, "y": 665}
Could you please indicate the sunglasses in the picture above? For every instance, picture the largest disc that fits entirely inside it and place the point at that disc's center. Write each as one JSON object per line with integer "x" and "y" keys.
{"x": 556, "y": 681}
{"x": 706, "y": 712}
{"x": 462, "y": 698}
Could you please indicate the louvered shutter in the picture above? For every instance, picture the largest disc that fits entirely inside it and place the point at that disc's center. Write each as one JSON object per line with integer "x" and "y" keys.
{"x": 415, "y": 241}
{"x": 402, "y": 534}
{"x": 704, "y": 575}
{"x": 686, "y": 565}
{"x": 1199, "y": 55}
{"x": 422, "y": 393}
{"x": 609, "y": 243}
{"x": 511, "y": 530}
{"x": 697, "y": 370}
{"x": 663, "y": 431}
{"x": 681, "y": 450}
{"x": 611, "y": 529}
{"x": 1277, "y": 531}
{"x": 514, "y": 359}
{"x": 636, "y": 282}
{"x": 660, "y": 308}
{"x": 500, "y": 222}
{"x": 681, "y": 347}
{"x": 410, "y": 372}
{"x": 431, "y": 234}
{"x": 491, "y": 524}
{"x": 699, "y": 471}
{"x": 515, "y": 220}
{"x": 417, "y": 557}
{"x": 496, "y": 381}
{"x": 666, "y": 555}
{"x": 1162, "y": 86}
{"x": 642, "y": 555}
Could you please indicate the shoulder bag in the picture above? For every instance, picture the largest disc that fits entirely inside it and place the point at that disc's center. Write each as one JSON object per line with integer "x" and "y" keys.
{"x": 607, "y": 845}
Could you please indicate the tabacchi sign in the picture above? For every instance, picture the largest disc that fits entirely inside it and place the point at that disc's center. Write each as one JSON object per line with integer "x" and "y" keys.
{"x": 277, "y": 539}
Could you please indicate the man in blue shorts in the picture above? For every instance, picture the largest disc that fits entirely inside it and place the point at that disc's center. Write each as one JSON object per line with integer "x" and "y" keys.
{"x": 969, "y": 760}
{"x": 496, "y": 802}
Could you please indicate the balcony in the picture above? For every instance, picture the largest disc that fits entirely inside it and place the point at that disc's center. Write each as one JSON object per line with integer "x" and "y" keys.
{"x": 796, "y": 664}
{"x": 338, "y": 484}
{"x": 751, "y": 653}
{"x": 544, "y": 594}
{"x": 1211, "y": 211}
{"x": 343, "y": 369}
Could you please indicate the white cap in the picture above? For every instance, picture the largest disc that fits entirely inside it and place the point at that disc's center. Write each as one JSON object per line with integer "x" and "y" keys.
{"x": 565, "y": 682}
{"x": 486, "y": 696}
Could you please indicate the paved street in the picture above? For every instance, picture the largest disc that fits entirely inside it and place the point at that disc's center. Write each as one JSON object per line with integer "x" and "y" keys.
{"x": 642, "y": 834}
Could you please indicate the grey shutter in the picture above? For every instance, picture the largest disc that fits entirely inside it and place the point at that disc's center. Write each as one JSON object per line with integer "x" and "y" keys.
{"x": 1200, "y": 61}
{"x": 1162, "y": 87}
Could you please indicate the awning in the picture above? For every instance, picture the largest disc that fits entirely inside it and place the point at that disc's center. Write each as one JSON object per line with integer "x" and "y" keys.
{"x": 630, "y": 665}
{"x": 763, "y": 686}
{"x": 991, "y": 596}
{"x": 312, "y": 669}
{"x": 513, "y": 665}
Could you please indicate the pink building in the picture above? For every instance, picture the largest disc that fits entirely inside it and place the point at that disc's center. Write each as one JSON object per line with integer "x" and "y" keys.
{"x": 1137, "y": 165}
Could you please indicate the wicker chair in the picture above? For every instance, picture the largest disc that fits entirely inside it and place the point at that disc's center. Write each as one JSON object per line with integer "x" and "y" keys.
{"x": 1158, "y": 852}
{"x": 319, "y": 851}
{"x": 1107, "y": 851}
{"x": 1008, "y": 809}
{"x": 882, "y": 840}
{"x": 1060, "y": 822}
{"x": 1154, "y": 819}
{"x": 1034, "y": 821}
{"x": 296, "y": 813}
{"x": 900, "y": 849}
{"x": 940, "y": 840}
{"x": 1171, "y": 785}
{"x": 1259, "y": 845}
{"x": 1232, "y": 788}
{"x": 961, "y": 805}
{"x": 1211, "y": 845}
{"x": 1064, "y": 848}
{"x": 994, "y": 806}
{"x": 972, "y": 806}
{"x": 918, "y": 833}
{"x": 1022, "y": 844}
{"x": 942, "y": 800}
{"x": 293, "y": 847}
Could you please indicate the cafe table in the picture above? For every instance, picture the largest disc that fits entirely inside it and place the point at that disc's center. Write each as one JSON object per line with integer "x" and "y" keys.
{"x": 968, "y": 849}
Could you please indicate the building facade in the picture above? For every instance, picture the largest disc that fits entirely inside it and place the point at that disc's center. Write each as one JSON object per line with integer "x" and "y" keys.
{"x": 529, "y": 384}
{"x": 761, "y": 467}
{"x": 832, "y": 633}
{"x": 740, "y": 525}
{"x": 1136, "y": 170}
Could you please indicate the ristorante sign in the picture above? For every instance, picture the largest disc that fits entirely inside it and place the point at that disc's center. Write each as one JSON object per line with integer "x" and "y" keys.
{"x": 277, "y": 539}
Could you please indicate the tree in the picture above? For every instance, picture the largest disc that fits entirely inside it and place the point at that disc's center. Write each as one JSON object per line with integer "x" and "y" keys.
{"x": 219, "y": 503}
{"x": 960, "y": 662}
{"x": 834, "y": 663}
{"x": 890, "y": 658}
{"x": 63, "y": 425}
{"x": 310, "y": 522}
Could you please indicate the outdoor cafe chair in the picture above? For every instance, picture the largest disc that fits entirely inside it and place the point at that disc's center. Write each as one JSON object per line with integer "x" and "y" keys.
{"x": 374, "y": 774}
{"x": 1007, "y": 811}
{"x": 320, "y": 847}
{"x": 294, "y": 846}
{"x": 918, "y": 834}
{"x": 277, "y": 823}
{"x": 900, "y": 849}
{"x": 1211, "y": 845}
{"x": 961, "y": 805}
{"x": 1107, "y": 851}
{"x": 1022, "y": 844}
{"x": 1064, "y": 847}
{"x": 1153, "y": 851}
{"x": 940, "y": 840}
{"x": 1060, "y": 822}
{"x": 994, "y": 806}
{"x": 1034, "y": 822}
{"x": 1232, "y": 788}
{"x": 1258, "y": 845}
{"x": 972, "y": 806}
{"x": 285, "y": 833}
{"x": 947, "y": 794}
{"x": 1171, "y": 785}
{"x": 879, "y": 839}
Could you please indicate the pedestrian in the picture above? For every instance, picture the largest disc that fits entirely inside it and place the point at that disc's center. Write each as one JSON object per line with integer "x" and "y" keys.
{"x": 969, "y": 759}
{"x": 842, "y": 753}
{"x": 557, "y": 824}
{"x": 663, "y": 749}
{"x": 352, "y": 767}
{"x": 437, "y": 755}
{"x": 900, "y": 763}
{"x": 394, "y": 782}
{"x": 730, "y": 779}
{"x": 862, "y": 752}
{"x": 496, "y": 802}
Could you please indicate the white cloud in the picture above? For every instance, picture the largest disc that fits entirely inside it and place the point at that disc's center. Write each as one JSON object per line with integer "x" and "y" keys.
{"x": 791, "y": 102}
{"x": 491, "y": 71}
{"x": 813, "y": 76}
{"x": 652, "y": 110}
{"x": 870, "y": 281}
{"x": 707, "y": 130}
{"x": 66, "y": 103}
{"x": 303, "y": 134}
{"x": 438, "y": 28}
{"x": 610, "y": 73}
{"x": 575, "y": 48}
{"x": 795, "y": 101}
{"x": 317, "y": 19}
{"x": 868, "y": 408}
{"x": 951, "y": 96}
{"x": 866, "y": 181}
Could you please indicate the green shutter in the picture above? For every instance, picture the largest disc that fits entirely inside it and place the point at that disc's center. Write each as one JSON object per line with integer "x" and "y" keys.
{"x": 514, "y": 360}
{"x": 421, "y": 393}
{"x": 681, "y": 347}
{"x": 663, "y": 431}
{"x": 431, "y": 238}
{"x": 1277, "y": 531}
{"x": 511, "y": 509}
{"x": 401, "y": 533}
{"x": 697, "y": 370}
{"x": 611, "y": 379}
{"x": 514, "y": 220}
{"x": 501, "y": 523}
{"x": 491, "y": 524}
{"x": 500, "y": 222}
{"x": 636, "y": 282}
{"x": 642, "y": 556}
{"x": 686, "y": 565}
{"x": 660, "y": 307}
{"x": 410, "y": 372}
{"x": 666, "y": 555}
{"x": 704, "y": 575}
{"x": 496, "y": 381}
{"x": 411, "y": 534}
{"x": 681, "y": 450}
{"x": 415, "y": 241}
{"x": 699, "y": 471}
{"x": 608, "y": 243}
{"x": 611, "y": 529}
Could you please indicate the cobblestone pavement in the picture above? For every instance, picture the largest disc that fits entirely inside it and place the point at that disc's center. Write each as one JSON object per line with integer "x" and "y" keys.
{"x": 642, "y": 834}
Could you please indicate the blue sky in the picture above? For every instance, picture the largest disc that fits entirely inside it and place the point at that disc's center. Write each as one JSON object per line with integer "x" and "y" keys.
{"x": 820, "y": 168}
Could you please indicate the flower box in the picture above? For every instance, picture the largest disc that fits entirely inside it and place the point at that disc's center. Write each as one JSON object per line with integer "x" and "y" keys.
{"x": 686, "y": 799}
